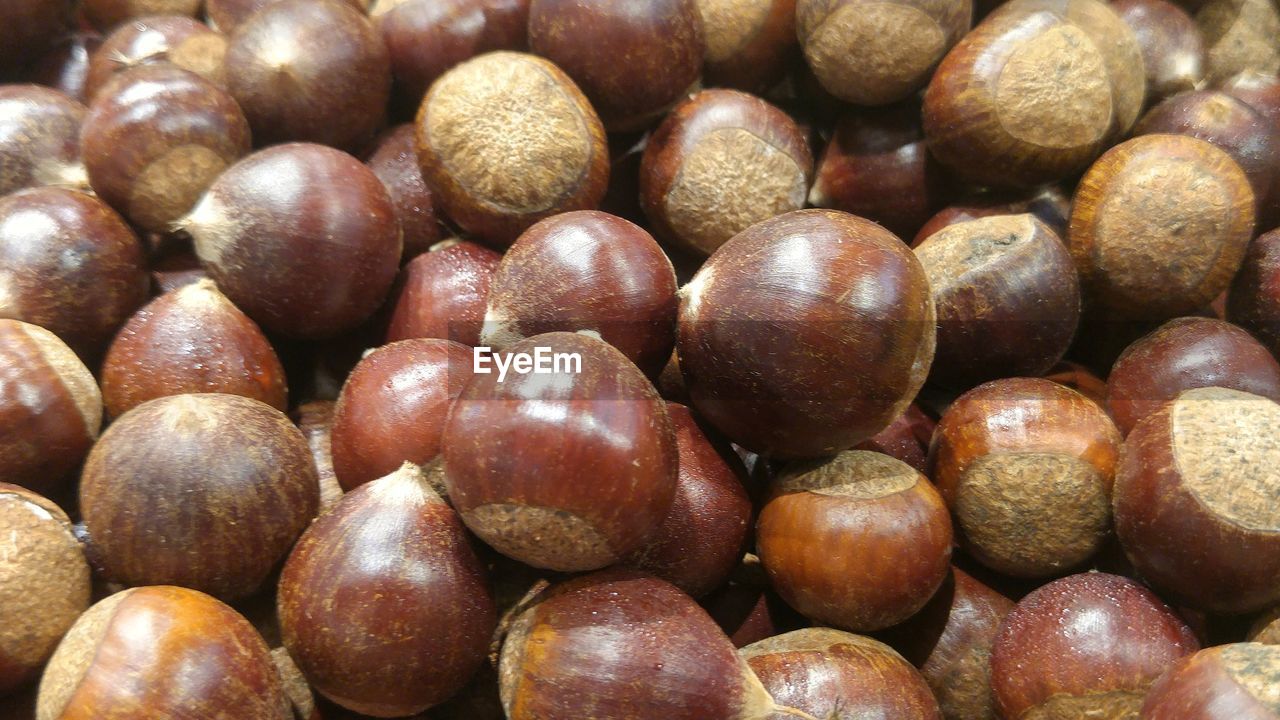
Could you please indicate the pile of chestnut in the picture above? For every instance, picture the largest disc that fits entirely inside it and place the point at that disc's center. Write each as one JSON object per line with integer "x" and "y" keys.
{"x": 640, "y": 359}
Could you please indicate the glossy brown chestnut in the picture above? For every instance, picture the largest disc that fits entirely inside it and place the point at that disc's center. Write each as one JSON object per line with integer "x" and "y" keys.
{"x": 1240, "y": 35}
{"x": 164, "y": 39}
{"x": 1259, "y": 90}
{"x": 154, "y": 140}
{"x": 1254, "y": 300}
{"x": 875, "y": 53}
{"x": 1173, "y": 50}
{"x": 383, "y": 603}
{"x": 393, "y": 407}
{"x": 31, "y": 26}
{"x": 162, "y": 652}
{"x": 302, "y": 237}
{"x": 661, "y": 41}
{"x": 859, "y": 542}
{"x": 1079, "y": 378}
{"x": 1084, "y": 646}
{"x": 395, "y": 162}
{"x": 1050, "y": 205}
{"x": 226, "y": 15}
{"x": 787, "y": 349}
{"x": 747, "y": 608}
{"x": 1195, "y": 500}
{"x": 70, "y": 264}
{"x": 563, "y": 470}
{"x": 311, "y": 71}
{"x": 663, "y": 657}
{"x": 442, "y": 293}
{"x": 39, "y": 139}
{"x": 65, "y": 66}
{"x": 1027, "y": 465}
{"x": 507, "y": 139}
{"x": 840, "y": 676}
{"x": 107, "y": 14}
{"x": 1004, "y": 110}
{"x": 1228, "y": 682}
{"x": 1187, "y": 353}
{"x": 44, "y": 583}
{"x": 315, "y": 420}
{"x": 228, "y": 482}
{"x": 749, "y": 45}
{"x": 1007, "y": 297}
{"x": 191, "y": 340}
{"x": 721, "y": 162}
{"x": 586, "y": 271}
{"x": 906, "y": 438}
{"x": 1124, "y": 228}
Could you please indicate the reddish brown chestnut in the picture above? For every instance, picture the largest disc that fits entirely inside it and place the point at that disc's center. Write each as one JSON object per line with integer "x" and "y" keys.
{"x": 839, "y": 676}
{"x": 442, "y": 293}
{"x": 1027, "y": 466}
{"x": 1229, "y": 682}
{"x": 191, "y": 340}
{"x": 1173, "y": 50}
{"x": 395, "y": 162}
{"x": 747, "y": 608}
{"x": 661, "y": 41}
{"x": 586, "y": 271}
{"x": 507, "y": 139}
{"x": 749, "y": 45}
{"x": 154, "y": 140}
{"x": 721, "y": 162}
{"x": 309, "y": 70}
{"x": 1254, "y": 300}
{"x": 107, "y": 14}
{"x": 39, "y": 139}
{"x": 906, "y": 438}
{"x": 393, "y": 407}
{"x": 162, "y": 652}
{"x": 164, "y": 39}
{"x": 1259, "y": 90}
{"x": 31, "y": 26}
{"x": 806, "y": 334}
{"x": 860, "y": 541}
{"x": 228, "y": 482}
{"x": 302, "y": 237}
{"x": 570, "y": 469}
{"x": 1195, "y": 500}
{"x": 383, "y": 603}
{"x": 315, "y": 420}
{"x": 45, "y": 581}
{"x": 70, "y": 264}
{"x": 1241, "y": 35}
{"x": 1007, "y": 297}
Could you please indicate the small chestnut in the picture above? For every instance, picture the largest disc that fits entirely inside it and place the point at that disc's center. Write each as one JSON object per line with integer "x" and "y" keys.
{"x": 747, "y": 608}
{"x": 39, "y": 139}
{"x": 1228, "y": 682}
{"x": 395, "y": 162}
{"x": 1173, "y": 50}
{"x": 1254, "y": 300}
{"x": 1240, "y": 35}
{"x": 442, "y": 293}
{"x": 1258, "y": 90}
{"x": 163, "y": 39}
{"x": 749, "y": 45}
{"x": 906, "y": 438}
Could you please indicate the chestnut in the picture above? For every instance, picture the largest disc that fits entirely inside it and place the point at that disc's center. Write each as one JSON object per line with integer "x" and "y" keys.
{"x": 227, "y": 481}
{"x": 161, "y": 652}
{"x": 1007, "y": 297}
{"x": 1228, "y": 682}
{"x": 749, "y": 45}
{"x": 806, "y": 334}
{"x": 1254, "y": 300}
{"x": 1240, "y": 35}
{"x": 45, "y": 578}
{"x": 505, "y": 140}
{"x": 395, "y": 162}
{"x": 1258, "y": 90}
{"x": 383, "y": 604}
{"x": 174, "y": 270}
{"x": 1079, "y": 378}
{"x": 315, "y": 420}
{"x": 164, "y": 39}
{"x": 747, "y": 608}
{"x": 1187, "y": 353}
{"x": 906, "y": 438}
{"x": 39, "y": 139}
{"x": 1034, "y": 93}
{"x": 310, "y": 71}
{"x": 70, "y": 264}
{"x": 393, "y": 406}
{"x": 840, "y": 676}
{"x": 302, "y": 237}
{"x": 1050, "y": 205}
{"x": 875, "y": 53}
{"x": 226, "y": 15}
{"x": 1266, "y": 629}
{"x": 1195, "y": 500}
{"x": 881, "y": 530}
{"x": 442, "y": 293}
{"x": 722, "y": 161}
{"x": 1087, "y": 645}
{"x": 586, "y": 271}
{"x": 1027, "y": 465}
{"x": 191, "y": 340}
{"x": 107, "y": 14}
{"x": 154, "y": 140}
{"x": 65, "y": 66}
{"x": 31, "y": 26}
{"x": 661, "y": 41}
{"x": 1173, "y": 50}
{"x": 1125, "y": 229}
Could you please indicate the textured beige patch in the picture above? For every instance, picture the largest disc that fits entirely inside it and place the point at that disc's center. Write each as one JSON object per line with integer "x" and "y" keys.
{"x": 75, "y": 377}
{"x": 168, "y": 188}
{"x": 728, "y": 25}
{"x": 1257, "y": 669}
{"x": 203, "y": 55}
{"x": 951, "y": 253}
{"x": 557, "y": 539}
{"x": 1115, "y": 705}
{"x": 74, "y": 657}
{"x": 731, "y": 180}
{"x": 1226, "y": 443}
{"x": 295, "y": 684}
{"x": 1240, "y": 35}
{"x": 1054, "y": 92}
{"x": 875, "y": 52}
{"x": 856, "y": 474}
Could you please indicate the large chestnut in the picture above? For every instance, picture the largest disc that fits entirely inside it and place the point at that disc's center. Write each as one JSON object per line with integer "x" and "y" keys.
{"x": 383, "y": 603}
{"x": 162, "y": 652}
{"x": 1084, "y": 646}
{"x": 395, "y": 162}
{"x": 806, "y": 334}
{"x": 163, "y": 39}
{"x": 749, "y": 45}
{"x": 39, "y": 139}
{"x": 1195, "y": 500}
{"x": 1228, "y": 682}
{"x": 586, "y": 271}
{"x": 302, "y": 237}
{"x": 442, "y": 293}
{"x": 1254, "y": 300}
{"x": 881, "y": 531}
{"x": 1173, "y": 50}
{"x": 227, "y": 481}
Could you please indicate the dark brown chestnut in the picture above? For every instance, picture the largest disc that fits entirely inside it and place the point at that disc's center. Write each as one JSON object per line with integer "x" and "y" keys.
{"x": 806, "y": 334}
{"x": 107, "y": 14}
{"x": 1258, "y": 90}
{"x": 443, "y": 292}
{"x": 226, "y": 15}
{"x": 1195, "y": 500}
{"x": 31, "y": 26}
{"x": 586, "y": 271}
{"x": 906, "y": 438}
{"x": 1254, "y": 300}
{"x": 519, "y": 442}
{"x": 39, "y": 139}
{"x": 721, "y": 162}
{"x": 310, "y": 71}
{"x": 749, "y": 45}
{"x": 661, "y": 41}
{"x": 1173, "y": 50}
{"x": 1240, "y": 35}
{"x": 65, "y": 66}
{"x": 383, "y": 603}
{"x": 747, "y": 608}
{"x": 1229, "y": 682}
{"x": 227, "y": 481}
{"x": 302, "y": 237}
{"x": 395, "y": 162}
{"x": 164, "y": 39}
